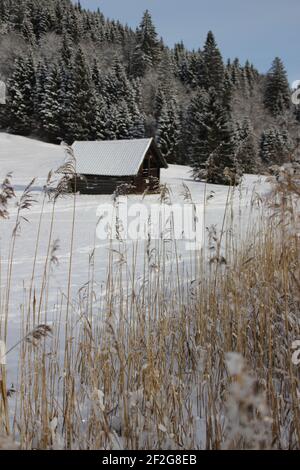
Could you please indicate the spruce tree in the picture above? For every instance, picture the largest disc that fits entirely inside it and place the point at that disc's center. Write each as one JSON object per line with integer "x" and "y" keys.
{"x": 210, "y": 140}
{"x": 275, "y": 146}
{"x": 28, "y": 30}
{"x": 123, "y": 121}
{"x": 21, "y": 88}
{"x": 168, "y": 131}
{"x": 52, "y": 106}
{"x": 117, "y": 86}
{"x": 42, "y": 73}
{"x": 277, "y": 97}
{"x": 148, "y": 49}
{"x": 159, "y": 103}
{"x": 137, "y": 124}
{"x": 234, "y": 70}
{"x": 66, "y": 51}
{"x": 245, "y": 146}
{"x": 249, "y": 75}
{"x": 213, "y": 67}
{"x": 97, "y": 117}
{"x": 41, "y": 21}
{"x": 97, "y": 78}
{"x": 166, "y": 71}
{"x": 78, "y": 100}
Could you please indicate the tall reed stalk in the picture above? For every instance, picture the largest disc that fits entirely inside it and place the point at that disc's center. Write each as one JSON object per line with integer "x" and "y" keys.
{"x": 195, "y": 353}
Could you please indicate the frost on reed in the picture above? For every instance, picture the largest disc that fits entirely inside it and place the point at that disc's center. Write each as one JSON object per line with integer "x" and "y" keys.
{"x": 6, "y": 194}
{"x": 248, "y": 424}
{"x": 142, "y": 362}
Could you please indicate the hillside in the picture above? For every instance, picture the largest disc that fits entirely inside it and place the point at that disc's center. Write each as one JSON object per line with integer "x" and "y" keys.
{"x": 72, "y": 74}
{"x": 27, "y": 158}
{"x": 163, "y": 316}
{"x": 149, "y": 323}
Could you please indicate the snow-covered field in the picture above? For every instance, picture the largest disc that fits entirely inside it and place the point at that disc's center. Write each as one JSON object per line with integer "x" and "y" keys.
{"x": 29, "y": 159}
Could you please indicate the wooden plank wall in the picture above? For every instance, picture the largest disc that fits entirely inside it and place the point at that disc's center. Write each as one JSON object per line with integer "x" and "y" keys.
{"x": 91, "y": 184}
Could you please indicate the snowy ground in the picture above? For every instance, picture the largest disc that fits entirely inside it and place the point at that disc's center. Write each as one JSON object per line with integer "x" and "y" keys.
{"x": 29, "y": 159}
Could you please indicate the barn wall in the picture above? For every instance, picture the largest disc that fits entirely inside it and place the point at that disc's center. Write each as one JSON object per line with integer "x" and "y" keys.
{"x": 91, "y": 184}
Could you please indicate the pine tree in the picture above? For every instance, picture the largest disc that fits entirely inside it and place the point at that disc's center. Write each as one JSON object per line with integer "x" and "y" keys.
{"x": 166, "y": 71}
{"x": 72, "y": 26}
{"x": 277, "y": 92}
{"x": 117, "y": 86}
{"x": 78, "y": 100}
{"x": 213, "y": 67}
{"x": 52, "y": 106}
{"x": 275, "y": 146}
{"x": 66, "y": 51}
{"x": 159, "y": 103}
{"x": 27, "y": 29}
{"x": 249, "y": 75}
{"x": 21, "y": 88}
{"x": 41, "y": 76}
{"x": 137, "y": 125}
{"x": 210, "y": 140}
{"x": 41, "y": 21}
{"x": 148, "y": 49}
{"x": 97, "y": 78}
{"x": 115, "y": 125}
{"x": 168, "y": 132}
{"x": 97, "y": 118}
{"x": 123, "y": 121}
{"x": 60, "y": 12}
{"x": 227, "y": 92}
{"x": 136, "y": 92}
{"x": 181, "y": 62}
{"x": 234, "y": 70}
{"x": 245, "y": 146}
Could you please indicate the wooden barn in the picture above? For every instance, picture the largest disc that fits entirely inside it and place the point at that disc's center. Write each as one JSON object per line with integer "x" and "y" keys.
{"x": 103, "y": 166}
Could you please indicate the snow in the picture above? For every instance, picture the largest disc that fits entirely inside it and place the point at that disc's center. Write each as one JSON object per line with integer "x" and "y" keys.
{"x": 27, "y": 159}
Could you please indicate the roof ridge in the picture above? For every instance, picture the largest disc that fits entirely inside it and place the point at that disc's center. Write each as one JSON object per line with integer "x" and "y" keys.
{"x": 116, "y": 141}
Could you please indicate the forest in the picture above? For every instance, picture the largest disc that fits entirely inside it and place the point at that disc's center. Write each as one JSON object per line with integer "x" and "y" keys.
{"x": 72, "y": 74}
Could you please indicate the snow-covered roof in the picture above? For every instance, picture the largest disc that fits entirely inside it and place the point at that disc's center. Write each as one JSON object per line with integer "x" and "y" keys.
{"x": 112, "y": 158}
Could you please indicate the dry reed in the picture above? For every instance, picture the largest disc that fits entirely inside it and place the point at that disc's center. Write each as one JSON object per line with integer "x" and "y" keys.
{"x": 145, "y": 363}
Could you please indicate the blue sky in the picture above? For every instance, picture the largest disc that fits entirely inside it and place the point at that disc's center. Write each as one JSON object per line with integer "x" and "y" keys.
{"x": 257, "y": 30}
